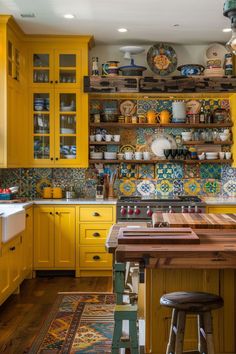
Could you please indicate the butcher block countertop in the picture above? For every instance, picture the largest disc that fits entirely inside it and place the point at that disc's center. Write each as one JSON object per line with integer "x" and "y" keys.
{"x": 217, "y": 249}
{"x": 195, "y": 220}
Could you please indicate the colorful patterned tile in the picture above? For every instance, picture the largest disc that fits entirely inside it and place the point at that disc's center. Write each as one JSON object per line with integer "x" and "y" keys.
{"x": 168, "y": 170}
{"x": 208, "y": 170}
{"x": 146, "y": 171}
{"x": 192, "y": 186}
{"x": 127, "y": 170}
{"x": 229, "y": 188}
{"x": 228, "y": 172}
{"x": 127, "y": 187}
{"x": 145, "y": 188}
{"x": 43, "y": 172}
{"x": 164, "y": 187}
{"x": 191, "y": 171}
{"x": 78, "y": 173}
{"x": 178, "y": 186}
{"x": 211, "y": 187}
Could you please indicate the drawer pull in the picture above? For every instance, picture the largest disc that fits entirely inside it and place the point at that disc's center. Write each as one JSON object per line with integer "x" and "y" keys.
{"x": 27, "y": 215}
{"x": 96, "y": 214}
{"x": 96, "y": 258}
{"x": 12, "y": 248}
{"x": 96, "y": 234}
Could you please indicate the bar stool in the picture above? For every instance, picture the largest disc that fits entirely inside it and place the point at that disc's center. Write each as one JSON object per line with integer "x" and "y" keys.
{"x": 198, "y": 303}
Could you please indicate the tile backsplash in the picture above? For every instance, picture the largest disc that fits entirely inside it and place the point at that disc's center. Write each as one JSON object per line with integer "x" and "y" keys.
{"x": 160, "y": 179}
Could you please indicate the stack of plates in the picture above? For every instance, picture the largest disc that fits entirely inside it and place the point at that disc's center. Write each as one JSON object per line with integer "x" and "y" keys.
{"x": 214, "y": 72}
{"x": 211, "y": 155}
{"x": 178, "y": 120}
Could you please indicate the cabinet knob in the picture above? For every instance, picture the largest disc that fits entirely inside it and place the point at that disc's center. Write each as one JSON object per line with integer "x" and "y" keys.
{"x": 96, "y": 258}
{"x": 27, "y": 215}
{"x": 96, "y": 234}
{"x": 51, "y": 213}
{"x": 12, "y": 248}
{"x": 56, "y": 158}
{"x": 57, "y": 213}
{"x": 95, "y": 214}
{"x": 51, "y": 82}
{"x": 56, "y": 82}
{"x": 51, "y": 158}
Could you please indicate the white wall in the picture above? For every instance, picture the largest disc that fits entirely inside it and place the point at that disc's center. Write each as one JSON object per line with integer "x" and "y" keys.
{"x": 186, "y": 54}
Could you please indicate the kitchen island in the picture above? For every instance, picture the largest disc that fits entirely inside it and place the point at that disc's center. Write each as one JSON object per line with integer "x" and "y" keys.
{"x": 208, "y": 266}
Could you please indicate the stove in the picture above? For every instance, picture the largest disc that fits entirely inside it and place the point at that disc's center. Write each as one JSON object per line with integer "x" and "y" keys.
{"x": 142, "y": 208}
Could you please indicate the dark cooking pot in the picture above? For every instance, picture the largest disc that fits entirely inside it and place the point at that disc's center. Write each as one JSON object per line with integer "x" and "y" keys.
{"x": 132, "y": 69}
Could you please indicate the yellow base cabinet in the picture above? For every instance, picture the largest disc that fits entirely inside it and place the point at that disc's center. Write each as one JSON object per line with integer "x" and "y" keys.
{"x": 54, "y": 237}
{"x": 158, "y": 318}
{"x": 94, "y": 222}
{"x": 10, "y": 267}
{"x": 221, "y": 209}
{"x": 27, "y": 244}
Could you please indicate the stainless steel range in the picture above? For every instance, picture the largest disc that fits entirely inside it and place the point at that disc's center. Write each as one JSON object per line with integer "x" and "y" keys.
{"x": 137, "y": 208}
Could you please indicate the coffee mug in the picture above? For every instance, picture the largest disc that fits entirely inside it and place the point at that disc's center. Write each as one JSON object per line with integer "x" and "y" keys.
{"x": 108, "y": 137}
{"x": 98, "y": 137}
{"x": 92, "y": 137}
{"x": 221, "y": 155}
{"x": 146, "y": 155}
{"x": 116, "y": 138}
{"x": 138, "y": 155}
{"x": 128, "y": 155}
{"x": 228, "y": 155}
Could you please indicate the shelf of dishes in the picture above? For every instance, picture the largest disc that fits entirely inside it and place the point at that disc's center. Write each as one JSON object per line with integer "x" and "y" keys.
{"x": 42, "y": 148}
{"x": 106, "y": 161}
{"x": 170, "y": 155}
{"x": 158, "y": 125}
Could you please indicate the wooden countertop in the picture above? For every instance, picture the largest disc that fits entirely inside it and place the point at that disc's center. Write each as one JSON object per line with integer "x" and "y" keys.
{"x": 217, "y": 249}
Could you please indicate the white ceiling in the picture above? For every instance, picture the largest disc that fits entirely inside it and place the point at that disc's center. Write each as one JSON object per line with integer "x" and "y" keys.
{"x": 147, "y": 21}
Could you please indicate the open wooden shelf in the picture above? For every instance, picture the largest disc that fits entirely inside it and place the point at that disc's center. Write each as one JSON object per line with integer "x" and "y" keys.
{"x": 104, "y": 143}
{"x": 157, "y": 125}
{"x": 224, "y": 161}
{"x": 201, "y": 142}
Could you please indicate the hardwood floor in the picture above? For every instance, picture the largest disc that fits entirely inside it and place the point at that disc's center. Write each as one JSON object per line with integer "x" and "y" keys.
{"x": 21, "y": 316}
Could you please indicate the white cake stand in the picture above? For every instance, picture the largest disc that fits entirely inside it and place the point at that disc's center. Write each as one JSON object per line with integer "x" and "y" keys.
{"x": 130, "y": 50}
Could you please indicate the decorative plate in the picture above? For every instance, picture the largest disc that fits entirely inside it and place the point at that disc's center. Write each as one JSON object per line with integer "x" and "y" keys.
{"x": 127, "y": 107}
{"x": 162, "y": 142}
{"x": 126, "y": 148}
{"x": 193, "y": 107}
{"x": 216, "y": 51}
{"x": 162, "y": 59}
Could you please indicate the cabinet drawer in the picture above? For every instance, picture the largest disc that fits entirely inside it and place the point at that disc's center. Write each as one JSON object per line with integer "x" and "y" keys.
{"x": 91, "y": 234}
{"x": 94, "y": 213}
{"x": 95, "y": 257}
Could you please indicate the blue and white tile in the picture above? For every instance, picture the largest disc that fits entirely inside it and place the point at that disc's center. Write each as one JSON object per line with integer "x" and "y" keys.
{"x": 229, "y": 188}
{"x": 178, "y": 186}
{"x": 145, "y": 188}
{"x": 146, "y": 171}
{"x": 228, "y": 172}
{"x": 165, "y": 187}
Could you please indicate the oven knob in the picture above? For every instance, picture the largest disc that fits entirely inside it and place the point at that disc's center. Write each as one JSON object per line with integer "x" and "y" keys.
{"x": 184, "y": 209}
{"x": 137, "y": 211}
{"x": 123, "y": 211}
{"x": 130, "y": 211}
{"x": 149, "y": 211}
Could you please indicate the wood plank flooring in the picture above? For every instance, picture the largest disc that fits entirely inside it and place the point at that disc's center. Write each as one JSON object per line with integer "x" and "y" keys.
{"x": 22, "y": 315}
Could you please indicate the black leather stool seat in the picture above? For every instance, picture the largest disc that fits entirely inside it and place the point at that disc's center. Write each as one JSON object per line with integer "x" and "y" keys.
{"x": 192, "y": 301}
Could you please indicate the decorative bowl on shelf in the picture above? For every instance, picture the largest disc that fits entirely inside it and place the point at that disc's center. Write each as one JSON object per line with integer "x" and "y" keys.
{"x": 110, "y": 155}
{"x": 96, "y": 155}
{"x": 191, "y": 69}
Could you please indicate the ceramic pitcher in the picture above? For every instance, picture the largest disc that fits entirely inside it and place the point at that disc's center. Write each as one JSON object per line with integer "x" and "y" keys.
{"x": 164, "y": 117}
{"x": 151, "y": 117}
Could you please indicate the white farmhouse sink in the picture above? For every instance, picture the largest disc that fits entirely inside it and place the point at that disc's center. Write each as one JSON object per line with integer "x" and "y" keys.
{"x": 13, "y": 222}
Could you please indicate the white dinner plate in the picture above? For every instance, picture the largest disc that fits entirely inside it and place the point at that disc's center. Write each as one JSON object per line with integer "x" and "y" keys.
{"x": 161, "y": 143}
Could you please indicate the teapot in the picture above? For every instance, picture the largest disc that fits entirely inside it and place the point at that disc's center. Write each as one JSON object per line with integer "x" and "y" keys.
{"x": 164, "y": 117}
{"x": 151, "y": 117}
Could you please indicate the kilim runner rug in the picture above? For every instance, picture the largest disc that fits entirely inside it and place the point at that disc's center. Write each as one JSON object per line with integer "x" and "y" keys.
{"x": 78, "y": 323}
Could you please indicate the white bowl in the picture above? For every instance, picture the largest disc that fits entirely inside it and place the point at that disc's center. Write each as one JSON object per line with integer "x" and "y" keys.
{"x": 223, "y": 137}
{"x": 96, "y": 155}
{"x": 186, "y": 138}
{"x": 211, "y": 155}
{"x": 110, "y": 155}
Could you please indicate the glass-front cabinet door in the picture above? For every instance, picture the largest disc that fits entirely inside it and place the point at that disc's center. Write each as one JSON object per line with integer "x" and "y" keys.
{"x": 42, "y": 106}
{"x": 67, "y": 68}
{"x": 67, "y": 108}
{"x": 42, "y": 68}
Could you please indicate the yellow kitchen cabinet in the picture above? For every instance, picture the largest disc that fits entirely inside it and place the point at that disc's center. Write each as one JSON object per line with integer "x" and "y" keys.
{"x": 158, "y": 318}
{"x": 10, "y": 267}
{"x": 58, "y": 108}
{"x": 94, "y": 222}
{"x": 54, "y": 237}
{"x": 221, "y": 209}
{"x": 27, "y": 244}
{"x": 13, "y": 98}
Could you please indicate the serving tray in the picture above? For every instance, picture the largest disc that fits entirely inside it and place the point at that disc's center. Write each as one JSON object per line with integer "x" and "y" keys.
{"x": 165, "y": 235}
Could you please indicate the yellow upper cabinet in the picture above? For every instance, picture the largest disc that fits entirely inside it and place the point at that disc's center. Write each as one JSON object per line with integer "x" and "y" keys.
{"x": 13, "y": 97}
{"x": 58, "y": 108}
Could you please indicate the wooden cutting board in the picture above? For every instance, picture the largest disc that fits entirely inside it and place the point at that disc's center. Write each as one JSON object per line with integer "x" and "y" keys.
{"x": 154, "y": 235}
{"x": 195, "y": 221}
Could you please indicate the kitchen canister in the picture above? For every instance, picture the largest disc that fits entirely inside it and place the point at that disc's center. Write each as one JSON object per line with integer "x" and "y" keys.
{"x": 178, "y": 112}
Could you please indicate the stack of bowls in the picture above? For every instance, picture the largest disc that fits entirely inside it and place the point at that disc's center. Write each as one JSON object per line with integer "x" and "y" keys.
{"x": 38, "y": 104}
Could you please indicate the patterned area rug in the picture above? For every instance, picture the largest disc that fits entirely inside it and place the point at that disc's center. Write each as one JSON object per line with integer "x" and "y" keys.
{"x": 78, "y": 323}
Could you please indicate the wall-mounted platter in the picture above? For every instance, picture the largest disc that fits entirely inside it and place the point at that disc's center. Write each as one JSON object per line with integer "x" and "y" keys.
{"x": 162, "y": 59}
